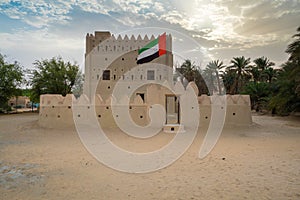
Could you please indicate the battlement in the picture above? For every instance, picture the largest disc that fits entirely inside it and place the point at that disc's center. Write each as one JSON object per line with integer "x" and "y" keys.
{"x": 105, "y": 42}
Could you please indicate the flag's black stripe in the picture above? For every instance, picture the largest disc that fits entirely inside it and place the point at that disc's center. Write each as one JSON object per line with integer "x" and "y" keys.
{"x": 148, "y": 58}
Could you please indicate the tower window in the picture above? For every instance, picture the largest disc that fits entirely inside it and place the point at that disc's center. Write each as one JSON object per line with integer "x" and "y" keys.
{"x": 142, "y": 95}
{"x": 106, "y": 75}
{"x": 150, "y": 75}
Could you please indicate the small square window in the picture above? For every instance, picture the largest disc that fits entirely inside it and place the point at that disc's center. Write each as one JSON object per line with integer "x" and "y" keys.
{"x": 150, "y": 75}
{"x": 106, "y": 75}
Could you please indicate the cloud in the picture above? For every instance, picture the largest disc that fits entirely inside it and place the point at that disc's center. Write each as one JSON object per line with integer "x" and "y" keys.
{"x": 39, "y": 44}
{"x": 220, "y": 26}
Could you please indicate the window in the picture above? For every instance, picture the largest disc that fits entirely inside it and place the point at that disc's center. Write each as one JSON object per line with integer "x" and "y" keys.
{"x": 142, "y": 95}
{"x": 150, "y": 75}
{"x": 106, "y": 75}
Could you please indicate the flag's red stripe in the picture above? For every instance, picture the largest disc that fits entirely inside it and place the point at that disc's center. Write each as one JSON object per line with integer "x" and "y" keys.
{"x": 162, "y": 44}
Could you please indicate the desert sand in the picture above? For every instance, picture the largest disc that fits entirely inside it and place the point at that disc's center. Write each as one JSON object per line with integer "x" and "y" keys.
{"x": 261, "y": 161}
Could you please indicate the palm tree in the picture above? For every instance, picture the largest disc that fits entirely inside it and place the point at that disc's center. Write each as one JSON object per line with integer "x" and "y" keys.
{"x": 262, "y": 64}
{"x": 240, "y": 65}
{"x": 255, "y": 73}
{"x": 188, "y": 70}
{"x": 294, "y": 48}
{"x": 259, "y": 93}
{"x": 287, "y": 95}
{"x": 270, "y": 73}
{"x": 191, "y": 72}
{"x": 212, "y": 71}
{"x": 228, "y": 78}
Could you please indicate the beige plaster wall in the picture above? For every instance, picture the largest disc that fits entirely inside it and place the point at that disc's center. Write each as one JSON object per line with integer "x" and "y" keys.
{"x": 56, "y": 111}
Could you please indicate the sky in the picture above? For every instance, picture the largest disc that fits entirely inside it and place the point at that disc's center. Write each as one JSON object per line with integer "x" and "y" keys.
{"x": 41, "y": 29}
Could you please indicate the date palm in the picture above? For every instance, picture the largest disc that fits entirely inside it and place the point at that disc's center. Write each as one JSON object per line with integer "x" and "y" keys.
{"x": 212, "y": 71}
{"x": 270, "y": 73}
{"x": 191, "y": 72}
{"x": 240, "y": 65}
{"x": 294, "y": 48}
{"x": 188, "y": 70}
{"x": 263, "y": 64}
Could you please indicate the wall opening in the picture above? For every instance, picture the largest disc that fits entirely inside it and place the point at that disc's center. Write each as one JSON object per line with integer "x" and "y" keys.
{"x": 142, "y": 95}
{"x": 172, "y": 109}
{"x": 106, "y": 75}
{"x": 150, "y": 75}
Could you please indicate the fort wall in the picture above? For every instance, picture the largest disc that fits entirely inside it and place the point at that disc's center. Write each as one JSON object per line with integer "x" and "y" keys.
{"x": 56, "y": 111}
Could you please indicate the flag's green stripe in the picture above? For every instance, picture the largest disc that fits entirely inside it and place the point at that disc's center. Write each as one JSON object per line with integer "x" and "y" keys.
{"x": 149, "y": 45}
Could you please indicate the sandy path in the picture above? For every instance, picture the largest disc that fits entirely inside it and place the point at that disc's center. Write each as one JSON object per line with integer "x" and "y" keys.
{"x": 261, "y": 162}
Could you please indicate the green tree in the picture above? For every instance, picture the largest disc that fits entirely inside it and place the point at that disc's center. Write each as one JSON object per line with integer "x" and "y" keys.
{"x": 212, "y": 73}
{"x": 53, "y": 76}
{"x": 286, "y": 96}
{"x": 191, "y": 72}
{"x": 264, "y": 66}
{"x": 255, "y": 74}
{"x": 259, "y": 94}
{"x": 240, "y": 65}
{"x": 294, "y": 48}
{"x": 263, "y": 63}
{"x": 11, "y": 78}
{"x": 77, "y": 88}
{"x": 270, "y": 74}
{"x": 188, "y": 70}
{"x": 228, "y": 78}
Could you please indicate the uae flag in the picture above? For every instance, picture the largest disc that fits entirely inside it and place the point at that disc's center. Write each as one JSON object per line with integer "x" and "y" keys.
{"x": 152, "y": 50}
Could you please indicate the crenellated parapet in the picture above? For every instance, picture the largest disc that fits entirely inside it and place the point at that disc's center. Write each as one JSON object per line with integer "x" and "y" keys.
{"x": 106, "y": 43}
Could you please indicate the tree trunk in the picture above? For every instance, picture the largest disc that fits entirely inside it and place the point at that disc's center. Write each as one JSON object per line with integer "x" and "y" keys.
{"x": 219, "y": 84}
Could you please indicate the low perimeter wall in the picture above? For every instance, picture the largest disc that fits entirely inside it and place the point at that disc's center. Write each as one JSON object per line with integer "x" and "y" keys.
{"x": 56, "y": 110}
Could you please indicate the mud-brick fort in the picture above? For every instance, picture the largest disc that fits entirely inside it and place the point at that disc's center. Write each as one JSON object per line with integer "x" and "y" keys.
{"x": 113, "y": 75}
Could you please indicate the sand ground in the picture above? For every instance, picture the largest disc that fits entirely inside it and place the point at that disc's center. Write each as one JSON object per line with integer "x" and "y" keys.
{"x": 261, "y": 161}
